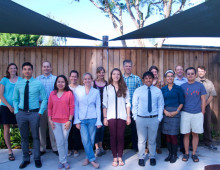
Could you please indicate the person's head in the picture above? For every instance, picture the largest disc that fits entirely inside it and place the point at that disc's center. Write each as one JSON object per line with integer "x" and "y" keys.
{"x": 100, "y": 73}
{"x": 169, "y": 75}
{"x": 179, "y": 71}
{"x": 191, "y": 74}
{"x": 127, "y": 65}
{"x": 116, "y": 77}
{"x": 46, "y": 67}
{"x": 87, "y": 79}
{"x": 27, "y": 70}
{"x": 154, "y": 70}
{"x": 61, "y": 84}
{"x": 12, "y": 69}
{"x": 148, "y": 78}
{"x": 74, "y": 75}
{"x": 201, "y": 71}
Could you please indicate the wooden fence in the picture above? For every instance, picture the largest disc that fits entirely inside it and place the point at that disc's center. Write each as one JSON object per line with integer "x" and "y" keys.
{"x": 87, "y": 59}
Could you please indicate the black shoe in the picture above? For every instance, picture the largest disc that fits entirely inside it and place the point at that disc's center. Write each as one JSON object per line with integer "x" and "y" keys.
{"x": 169, "y": 147}
{"x": 38, "y": 163}
{"x": 42, "y": 153}
{"x": 56, "y": 152}
{"x": 167, "y": 159}
{"x": 212, "y": 147}
{"x": 24, "y": 164}
{"x": 152, "y": 162}
{"x": 173, "y": 158}
{"x": 141, "y": 162}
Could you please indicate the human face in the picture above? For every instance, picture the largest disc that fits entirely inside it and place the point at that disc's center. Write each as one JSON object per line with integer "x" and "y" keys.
{"x": 169, "y": 78}
{"x": 46, "y": 68}
{"x": 27, "y": 72}
{"x": 127, "y": 68}
{"x": 12, "y": 70}
{"x": 61, "y": 83}
{"x": 191, "y": 76}
{"x": 155, "y": 73}
{"x": 101, "y": 75}
{"x": 87, "y": 80}
{"x": 148, "y": 80}
{"x": 201, "y": 73}
{"x": 115, "y": 76}
{"x": 179, "y": 71}
{"x": 73, "y": 78}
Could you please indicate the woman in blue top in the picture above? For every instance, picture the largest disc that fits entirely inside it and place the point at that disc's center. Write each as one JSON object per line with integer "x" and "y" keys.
{"x": 174, "y": 100}
{"x": 7, "y": 116}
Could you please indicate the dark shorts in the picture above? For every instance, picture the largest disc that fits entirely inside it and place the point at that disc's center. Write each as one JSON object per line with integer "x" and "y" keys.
{"x": 6, "y": 117}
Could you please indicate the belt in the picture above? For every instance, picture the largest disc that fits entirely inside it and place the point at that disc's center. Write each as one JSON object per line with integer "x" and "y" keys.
{"x": 151, "y": 116}
{"x": 33, "y": 110}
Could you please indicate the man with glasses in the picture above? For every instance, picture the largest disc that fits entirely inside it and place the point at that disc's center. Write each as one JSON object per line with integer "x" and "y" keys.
{"x": 193, "y": 112}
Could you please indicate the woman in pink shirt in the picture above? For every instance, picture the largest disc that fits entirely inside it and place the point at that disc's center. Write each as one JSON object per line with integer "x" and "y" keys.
{"x": 60, "y": 114}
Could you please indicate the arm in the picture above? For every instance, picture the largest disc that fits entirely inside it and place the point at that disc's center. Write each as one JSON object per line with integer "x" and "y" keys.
{"x": 16, "y": 99}
{"x": 203, "y": 103}
{"x": 160, "y": 105}
{"x": 181, "y": 101}
{"x": 128, "y": 106}
{"x": 104, "y": 105}
{"x": 98, "y": 110}
{"x": 71, "y": 111}
{"x": 135, "y": 105}
{"x": 43, "y": 95}
{"x": 2, "y": 89}
{"x": 50, "y": 109}
{"x": 207, "y": 102}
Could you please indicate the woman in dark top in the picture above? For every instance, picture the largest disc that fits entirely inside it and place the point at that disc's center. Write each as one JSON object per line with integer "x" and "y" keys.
{"x": 99, "y": 84}
{"x": 174, "y": 100}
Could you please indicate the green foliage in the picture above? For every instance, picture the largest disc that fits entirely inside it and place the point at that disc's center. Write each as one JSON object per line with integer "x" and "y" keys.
{"x": 8, "y": 39}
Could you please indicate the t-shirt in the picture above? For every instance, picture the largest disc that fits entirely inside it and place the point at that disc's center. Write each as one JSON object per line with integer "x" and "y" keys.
{"x": 193, "y": 93}
{"x": 9, "y": 89}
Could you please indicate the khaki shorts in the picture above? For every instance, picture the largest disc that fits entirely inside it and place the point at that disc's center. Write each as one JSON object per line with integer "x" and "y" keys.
{"x": 191, "y": 122}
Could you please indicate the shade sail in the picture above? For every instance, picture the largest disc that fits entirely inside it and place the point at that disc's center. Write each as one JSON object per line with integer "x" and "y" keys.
{"x": 200, "y": 21}
{"x": 15, "y": 18}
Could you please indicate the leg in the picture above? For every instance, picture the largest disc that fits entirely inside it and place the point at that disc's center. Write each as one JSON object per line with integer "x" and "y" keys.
{"x": 43, "y": 132}
{"x": 186, "y": 143}
{"x": 65, "y": 138}
{"x": 134, "y": 136}
{"x": 207, "y": 129}
{"x": 77, "y": 143}
{"x": 158, "y": 139}
{"x": 121, "y": 125}
{"x": 7, "y": 137}
{"x": 174, "y": 147}
{"x": 113, "y": 136}
{"x": 195, "y": 142}
{"x": 70, "y": 139}
{"x": 169, "y": 146}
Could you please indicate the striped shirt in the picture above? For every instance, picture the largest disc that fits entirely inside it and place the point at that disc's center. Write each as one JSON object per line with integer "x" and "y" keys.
{"x": 132, "y": 83}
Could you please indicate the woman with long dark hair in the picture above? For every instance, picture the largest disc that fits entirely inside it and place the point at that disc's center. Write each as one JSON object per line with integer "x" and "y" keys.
{"x": 60, "y": 114}
{"x": 7, "y": 116}
{"x": 116, "y": 112}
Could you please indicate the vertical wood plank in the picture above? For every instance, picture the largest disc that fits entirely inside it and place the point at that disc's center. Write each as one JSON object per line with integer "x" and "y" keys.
{"x": 116, "y": 58}
{"x": 139, "y": 58}
{"x": 11, "y": 55}
{"x": 105, "y": 63}
{"x": 170, "y": 59}
{"x": 111, "y": 60}
{"x": 83, "y": 61}
{"x": 1, "y": 63}
{"x": 122, "y": 58}
{"x": 94, "y": 66}
{"x": 175, "y": 59}
{"x": 5, "y": 61}
{"x": 149, "y": 59}
{"x": 161, "y": 66}
{"x": 33, "y": 56}
{"x": 16, "y": 60}
{"x": 99, "y": 57}
{"x": 71, "y": 59}
{"x": 144, "y": 60}
{"x": 134, "y": 61}
{"x": 77, "y": 62}
{"x": 66, "y": 62}
{"x": 186, "y": 60}
{"x": 21, "y": 59}
{"x": 55, "y": 62}
{"x": 127, "y": 54}
{"x": 60, "y": 61}
{"x": 38, "y": 61}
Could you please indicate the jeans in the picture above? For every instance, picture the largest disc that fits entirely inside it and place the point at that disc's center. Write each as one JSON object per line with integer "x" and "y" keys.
{"x": 88, "y": 131}
{"x": 61, "y": 136}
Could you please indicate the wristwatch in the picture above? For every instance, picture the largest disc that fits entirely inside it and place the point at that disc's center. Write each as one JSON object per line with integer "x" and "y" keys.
{"x": 71, "y": 121}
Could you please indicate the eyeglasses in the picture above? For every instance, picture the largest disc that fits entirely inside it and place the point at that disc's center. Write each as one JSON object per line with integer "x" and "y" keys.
{"x": 188, "y": 74}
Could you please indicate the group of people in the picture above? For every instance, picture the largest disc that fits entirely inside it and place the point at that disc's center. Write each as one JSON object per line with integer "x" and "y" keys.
{"x": 179, "y": 105}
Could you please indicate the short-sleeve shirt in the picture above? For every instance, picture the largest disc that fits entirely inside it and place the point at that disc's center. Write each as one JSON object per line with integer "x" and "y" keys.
{"x": 179, "y": 82}
{"x": 8, "y": 90}
{"x": 193, "y": 93}
{"x": 173, "y": 97}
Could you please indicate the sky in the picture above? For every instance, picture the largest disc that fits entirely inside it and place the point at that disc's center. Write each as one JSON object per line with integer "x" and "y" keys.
{"x": 85, "y": 17}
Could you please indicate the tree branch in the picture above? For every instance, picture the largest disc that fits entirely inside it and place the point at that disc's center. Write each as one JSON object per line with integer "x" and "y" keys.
{"x": 131, "y": 14}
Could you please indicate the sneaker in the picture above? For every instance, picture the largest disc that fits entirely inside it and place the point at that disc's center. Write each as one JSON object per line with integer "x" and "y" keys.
{"x": 69, "y": 153}
{"x": 75, "y": 153}
{"x": 98, "y": 152}
{"x": 60, "y": 166}
{"x": 66, "y": 165}
{"x": 102, "y": 151}
{"x": 212, "y": 147}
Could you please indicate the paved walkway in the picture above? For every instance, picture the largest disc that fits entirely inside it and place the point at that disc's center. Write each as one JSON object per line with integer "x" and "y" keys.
{"x": 50, "y": 161}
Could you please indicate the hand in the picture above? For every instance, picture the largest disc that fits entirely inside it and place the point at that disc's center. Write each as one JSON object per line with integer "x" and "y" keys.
{"x": 67, "y": 125}
{"x": 52, "y": 124}
{"x": 11, "y": 109}
{"x": 128, "y": 121}
{"x": 78, "y": 126}
{"x": 99, "y": 126}
{"x": 105, "y": 122}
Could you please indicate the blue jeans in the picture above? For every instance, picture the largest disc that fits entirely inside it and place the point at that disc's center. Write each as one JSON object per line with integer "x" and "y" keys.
{"x": 61, "y": 136}
{"x": 88, "y": 131}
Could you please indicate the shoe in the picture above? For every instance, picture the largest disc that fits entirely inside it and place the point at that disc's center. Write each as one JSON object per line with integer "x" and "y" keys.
{"x": 11, "y": 157}
{"x": 66, "y": 165}
{"x": 76, "y": 154}
{"x": 42, "y": 153}
{"x": 174, "y": 154}
{"x": 169, "y": 147}
{"x": 24, "y": 164}
{"x": 95, "y": 164}
{"x": 69, "y": 153}
{"x": 38, "y": 164}
{"x": 159, "y": 151}
{"x": 56, "y": 152}
{"x": 141, "y": 162}
{"x": 102, "y": 151}
{"x": 152, "y": 162}
{"x": 98, "y": 152}
{"x": 60, "y": 166}
{"x": 212, "y": 147}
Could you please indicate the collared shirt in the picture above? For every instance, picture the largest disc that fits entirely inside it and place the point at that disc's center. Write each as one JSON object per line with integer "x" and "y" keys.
{"x": 36, "y": 89}
{"x": 48, "y": 82}
{"x": 179, "y": 82}
{"x": 140, "y": 102}
{"x": 89, "y": 105}
{"x": 116, "y": 106}
{"x": 132, "y": 83}
{"x": 209, "y": 86}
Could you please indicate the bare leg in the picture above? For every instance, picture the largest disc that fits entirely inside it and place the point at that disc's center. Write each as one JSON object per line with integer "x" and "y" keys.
{"x": 7, "y": 137}
{"x": 97, "y": 146}
{"x": 186, "y": 143}
{"x": 195, "y": 142}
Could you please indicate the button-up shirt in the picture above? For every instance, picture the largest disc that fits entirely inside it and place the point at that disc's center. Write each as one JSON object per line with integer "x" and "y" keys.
{"x": 140, "y": 102}
{"x": 179, "y": 82}
{"x": 209, "y": 86}
{"x": 132, "y": 83}
{"x": 36, "y": 89}
{"x": 48, "y": 82}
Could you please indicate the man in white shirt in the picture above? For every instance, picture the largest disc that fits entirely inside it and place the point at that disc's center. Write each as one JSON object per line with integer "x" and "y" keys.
{"x": 148, "y": 105}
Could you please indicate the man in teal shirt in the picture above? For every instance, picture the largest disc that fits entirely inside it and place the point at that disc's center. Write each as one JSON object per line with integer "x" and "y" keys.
{"x": 28, "y": 111}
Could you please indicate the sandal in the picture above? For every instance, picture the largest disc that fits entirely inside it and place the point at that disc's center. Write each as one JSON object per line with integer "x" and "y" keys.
{"x": 85, "y": 162}
{"x": 185, "y": 157}
{"x": 121, "y": 163}
{"x": 115, "y": 163}
{"x": 11, "y": 157}
{"x": 195, "y": 158}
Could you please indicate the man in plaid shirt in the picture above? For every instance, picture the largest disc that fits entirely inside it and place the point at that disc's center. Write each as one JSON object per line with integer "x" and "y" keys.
{"x": 132, "y": 81}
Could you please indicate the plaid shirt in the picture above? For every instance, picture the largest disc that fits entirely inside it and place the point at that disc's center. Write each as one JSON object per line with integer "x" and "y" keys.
{"x": 132, "y": 83}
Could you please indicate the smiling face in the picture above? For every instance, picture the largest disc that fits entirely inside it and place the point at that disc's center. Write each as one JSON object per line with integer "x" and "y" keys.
{"x": 46, "y": 68}
{"x": 170, "y": 78}
{"x": 148, "y": 80}
{"x": 116, "y": 76}
{"x": 27, "y": 72}
{"x": 201, "y": 73}
{"x": 191, "y": 76}
{"x": 101, "y": 75}
{"x": 155, "y": 73}
{"x": 87, "y": 80}
{"x": 73, "y": 78}
{"x": 12, "y": 70}
{"x": 127, "y": 68}
{"x": 61, "y": 83}
{"x": 179, "y": 71}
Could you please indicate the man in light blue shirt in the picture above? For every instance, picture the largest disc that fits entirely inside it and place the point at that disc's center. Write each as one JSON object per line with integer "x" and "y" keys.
{"x": 148, "y": 105}
{"x": 179, "y": 79}
{"x": 48, "y": 80}
{"x": 27, "y": 109}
